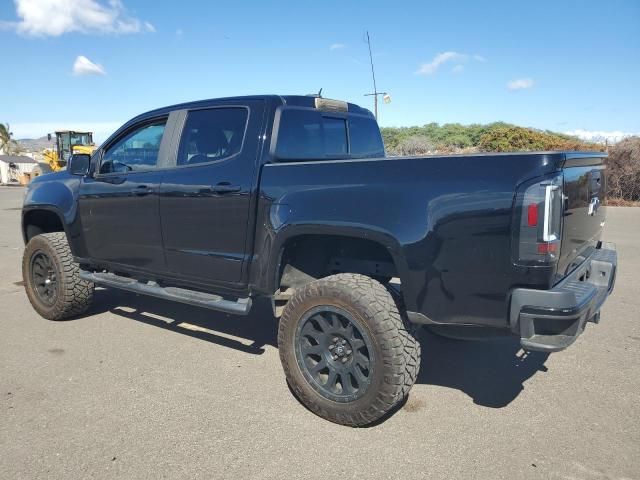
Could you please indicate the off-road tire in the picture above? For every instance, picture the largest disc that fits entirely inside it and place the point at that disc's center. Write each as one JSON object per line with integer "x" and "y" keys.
{"x": 73, "y": 295}
{"x": 396, "y": 349}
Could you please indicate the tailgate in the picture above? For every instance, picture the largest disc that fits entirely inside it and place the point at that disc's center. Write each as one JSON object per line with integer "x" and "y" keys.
{"x": 584, "y": 212}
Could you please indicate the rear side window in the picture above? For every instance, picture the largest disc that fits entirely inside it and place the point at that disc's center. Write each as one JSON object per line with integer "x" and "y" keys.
{"x": 212, "y": 135}
{"x": 308, "y": 134}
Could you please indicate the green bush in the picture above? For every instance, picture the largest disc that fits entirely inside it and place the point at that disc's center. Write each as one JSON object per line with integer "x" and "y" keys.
{"x": 518, "y": 139}
{"x": 492, "y": 137}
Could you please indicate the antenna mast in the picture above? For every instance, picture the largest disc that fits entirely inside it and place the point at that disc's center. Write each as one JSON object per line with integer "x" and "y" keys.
{"x": 375, "y": 88}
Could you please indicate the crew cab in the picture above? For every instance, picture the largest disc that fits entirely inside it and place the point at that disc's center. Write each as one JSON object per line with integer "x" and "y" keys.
{"x": 217, "y": 202}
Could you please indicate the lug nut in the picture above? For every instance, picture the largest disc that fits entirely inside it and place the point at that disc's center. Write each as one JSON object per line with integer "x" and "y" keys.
{"x": 344, "y": 359}
{"x": 348, "y": 352}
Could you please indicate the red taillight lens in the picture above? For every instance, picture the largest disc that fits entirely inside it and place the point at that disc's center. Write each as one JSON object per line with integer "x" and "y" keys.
{"x": 538, "y": 221}
{"x": 548, "y": 248}
{"x": 532, "y": 215}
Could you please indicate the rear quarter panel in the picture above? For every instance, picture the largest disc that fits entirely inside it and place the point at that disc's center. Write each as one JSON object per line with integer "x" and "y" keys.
{"x": 446, "y": 222}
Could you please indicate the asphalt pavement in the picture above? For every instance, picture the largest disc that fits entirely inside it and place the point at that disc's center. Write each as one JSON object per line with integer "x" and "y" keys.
{"x": 144, "y": 388}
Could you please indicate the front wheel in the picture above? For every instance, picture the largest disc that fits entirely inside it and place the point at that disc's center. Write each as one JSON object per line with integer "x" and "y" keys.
{"x": 51, "y": 278}
{"x": 346, "y": 349}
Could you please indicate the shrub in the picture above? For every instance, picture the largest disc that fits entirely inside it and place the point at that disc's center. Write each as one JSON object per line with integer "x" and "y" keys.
{"x": 416, "y": 145}
{"x": 518, "y": 139}
{"x": 623, "y": 170}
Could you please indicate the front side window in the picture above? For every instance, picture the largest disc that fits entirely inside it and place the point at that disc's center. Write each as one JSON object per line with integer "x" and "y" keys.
{"x": 211, "y": 135}
{"x": 136, "y": 151}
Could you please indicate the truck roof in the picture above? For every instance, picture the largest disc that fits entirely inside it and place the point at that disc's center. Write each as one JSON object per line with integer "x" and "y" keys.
{"x": 292, "y": 100}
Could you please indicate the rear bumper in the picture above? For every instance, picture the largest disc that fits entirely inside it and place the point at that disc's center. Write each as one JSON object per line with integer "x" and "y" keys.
{"x": 551, "y": 320}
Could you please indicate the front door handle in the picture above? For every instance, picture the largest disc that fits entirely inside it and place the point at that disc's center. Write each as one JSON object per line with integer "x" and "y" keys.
{"x": 142, "y": 190}
{"x": 225, "y": 187}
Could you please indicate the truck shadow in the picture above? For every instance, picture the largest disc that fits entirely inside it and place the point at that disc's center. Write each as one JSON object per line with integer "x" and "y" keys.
{"x": 491, "y": 372}
{"x": 248, "y": 334}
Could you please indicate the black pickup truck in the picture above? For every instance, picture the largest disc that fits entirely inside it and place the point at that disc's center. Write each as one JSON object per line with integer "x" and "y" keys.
{"x": 217, "y": 202}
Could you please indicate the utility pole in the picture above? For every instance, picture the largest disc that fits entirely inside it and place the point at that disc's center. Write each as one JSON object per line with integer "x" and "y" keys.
{"x": 375, "y": 93}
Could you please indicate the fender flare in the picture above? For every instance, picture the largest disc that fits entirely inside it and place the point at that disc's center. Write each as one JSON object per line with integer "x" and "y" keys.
{"x": 26, "y": 209}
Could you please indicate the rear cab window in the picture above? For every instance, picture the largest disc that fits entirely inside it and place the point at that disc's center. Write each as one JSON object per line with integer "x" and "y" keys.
{"x": 309, "y": 134}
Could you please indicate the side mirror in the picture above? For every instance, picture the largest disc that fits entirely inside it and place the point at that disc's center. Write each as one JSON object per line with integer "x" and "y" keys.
{"x": 49, "y": 137}
{"x": 79, "y": 164}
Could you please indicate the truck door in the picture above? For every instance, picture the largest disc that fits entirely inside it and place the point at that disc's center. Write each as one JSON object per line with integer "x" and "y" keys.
{"x": 205, "y": 199}
{"x": 118, "y": 204}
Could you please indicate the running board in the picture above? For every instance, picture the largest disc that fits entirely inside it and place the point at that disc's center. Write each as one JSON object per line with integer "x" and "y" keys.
{"x": 182, "y": 295}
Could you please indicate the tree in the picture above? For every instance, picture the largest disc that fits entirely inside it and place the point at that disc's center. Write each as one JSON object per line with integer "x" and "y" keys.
{"x": 7, "y": 144}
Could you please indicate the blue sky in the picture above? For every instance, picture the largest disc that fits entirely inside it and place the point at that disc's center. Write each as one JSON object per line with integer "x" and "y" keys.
{"x": 570, "y": 65}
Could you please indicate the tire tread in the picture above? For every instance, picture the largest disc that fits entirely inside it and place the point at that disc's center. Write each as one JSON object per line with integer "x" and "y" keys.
{"x": 385, "y": 316}
{"x": 76, "y": 295}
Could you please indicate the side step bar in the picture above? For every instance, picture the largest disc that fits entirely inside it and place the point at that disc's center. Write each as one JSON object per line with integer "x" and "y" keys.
{"x": 191, "y": 297}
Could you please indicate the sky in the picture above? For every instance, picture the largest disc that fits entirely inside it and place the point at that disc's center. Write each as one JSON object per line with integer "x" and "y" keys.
{"x": 570, "y": 66}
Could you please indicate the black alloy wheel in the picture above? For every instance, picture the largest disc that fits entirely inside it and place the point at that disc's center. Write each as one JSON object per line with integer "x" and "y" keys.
{"x": 334, "y": 353}
{"x": 44, "y": 278}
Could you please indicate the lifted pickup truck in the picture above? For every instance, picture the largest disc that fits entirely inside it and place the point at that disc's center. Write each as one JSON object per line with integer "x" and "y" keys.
{"x": 214, "y": 203}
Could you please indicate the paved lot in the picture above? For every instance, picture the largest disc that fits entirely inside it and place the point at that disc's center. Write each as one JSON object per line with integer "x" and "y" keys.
{"x": 142, "y": 388}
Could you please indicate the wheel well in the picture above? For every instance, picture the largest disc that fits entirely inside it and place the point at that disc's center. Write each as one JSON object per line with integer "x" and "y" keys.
{"x": 309, "y": 257}
{"x": 41, "y": 221}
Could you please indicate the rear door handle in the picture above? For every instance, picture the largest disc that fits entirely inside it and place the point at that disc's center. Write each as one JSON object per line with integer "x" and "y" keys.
{"x": 225, "y": 187}
{"x": 142, "y": 190}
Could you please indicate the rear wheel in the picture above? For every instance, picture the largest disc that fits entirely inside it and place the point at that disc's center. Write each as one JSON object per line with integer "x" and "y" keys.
{"x": 346, "y": 349}
{"x": 51, "y": 278}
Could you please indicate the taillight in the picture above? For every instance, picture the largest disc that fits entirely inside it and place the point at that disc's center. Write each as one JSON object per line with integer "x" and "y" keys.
{"x": 538, "y": 222}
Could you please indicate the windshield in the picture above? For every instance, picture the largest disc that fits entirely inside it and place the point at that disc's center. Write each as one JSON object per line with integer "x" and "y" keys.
{"x": 80, "y": 139}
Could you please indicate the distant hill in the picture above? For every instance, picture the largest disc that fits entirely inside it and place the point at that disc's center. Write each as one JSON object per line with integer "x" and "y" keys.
{"x": 35, "y": 145}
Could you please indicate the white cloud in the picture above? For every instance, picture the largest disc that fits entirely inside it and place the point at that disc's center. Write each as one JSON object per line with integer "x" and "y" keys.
{"x": 520, "y": 84}
{"x": 179, "y": 32}
{"x": 601, "y": 136}
{"x": 337, "y": 46}
{"x": 444, "y": 57}
{"x": 57, "y": 17}
{"x": 84, "y": 66}
{"x": 431, "y": 67}
{"x": 101, "y": 130}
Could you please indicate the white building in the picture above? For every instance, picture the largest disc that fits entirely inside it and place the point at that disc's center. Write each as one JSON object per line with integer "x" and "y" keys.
{"x": 13, "y": 166}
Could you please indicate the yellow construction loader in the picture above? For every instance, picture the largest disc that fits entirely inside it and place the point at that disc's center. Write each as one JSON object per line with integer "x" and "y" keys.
{"x": 67, "y": 143}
